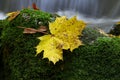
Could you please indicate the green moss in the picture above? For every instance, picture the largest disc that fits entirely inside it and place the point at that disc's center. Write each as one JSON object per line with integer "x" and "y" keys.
{"x": 19, "y": 49}
{"x": 3, "y": 23}
{"x": 1, "y": 64}
{"x": 0, "y": 32}
{"x": 98, "y": 61}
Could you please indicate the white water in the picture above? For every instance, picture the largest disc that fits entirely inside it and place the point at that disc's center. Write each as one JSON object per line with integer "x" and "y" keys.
{"x": 87, "y": 19}
{"x": 104, "y": 23}
{"x": 2, "y": 16}
{"x": 93, "y": 8}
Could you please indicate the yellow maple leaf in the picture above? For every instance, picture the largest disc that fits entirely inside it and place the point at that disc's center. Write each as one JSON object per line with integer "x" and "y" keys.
{"x": 51, "y": 48}
{"x": 13, "y": 15}
{"x": 64, "y": 35}
{"x": 68, "y": 31}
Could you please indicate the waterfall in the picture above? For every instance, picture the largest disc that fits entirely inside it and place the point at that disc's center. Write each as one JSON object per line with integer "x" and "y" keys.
{"x": 2, "y": 15}
{"x": 116, "y": 9}
{"x": 90, "y": 8}
{"x": 91, "y": 11}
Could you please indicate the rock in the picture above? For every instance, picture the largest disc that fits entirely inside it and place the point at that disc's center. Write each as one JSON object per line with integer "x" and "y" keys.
{"x": 98, "y": 59}
{"x": 115, "y": 30}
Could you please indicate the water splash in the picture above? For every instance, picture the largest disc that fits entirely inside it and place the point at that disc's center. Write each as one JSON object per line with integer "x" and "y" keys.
{"x": 103, "y": 23}
{"x": 2, "y": 16}
{"x": 87, "y": 19}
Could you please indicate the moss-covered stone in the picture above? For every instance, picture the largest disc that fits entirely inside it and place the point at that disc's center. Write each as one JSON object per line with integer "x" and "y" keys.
{"x": 19, "y": 49}
{"x": 116, "y": 29}
{"x": 89, "y": 35}
{"x": 1, "y": 64}
{"x": 3, "y": 23}
{"x": 98, "y": 61}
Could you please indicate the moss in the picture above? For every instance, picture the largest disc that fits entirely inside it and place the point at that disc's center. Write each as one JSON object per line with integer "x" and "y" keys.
{"x": 19, "y": 49}
{"x": 3, "y": 23}
{"x": 98, "y": 61}
{"x": 1, "y": 64}
{"x": 0, "y": 31}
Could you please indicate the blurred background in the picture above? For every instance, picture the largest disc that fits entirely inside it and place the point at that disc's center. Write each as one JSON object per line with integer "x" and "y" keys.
{"x": 92, "y": 11}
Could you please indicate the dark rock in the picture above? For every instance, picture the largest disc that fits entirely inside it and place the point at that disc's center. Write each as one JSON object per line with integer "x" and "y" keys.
{"x": 116, "y": 29}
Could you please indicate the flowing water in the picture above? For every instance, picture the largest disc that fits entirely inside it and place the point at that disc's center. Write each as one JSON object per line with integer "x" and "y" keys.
{"x": 2, "y": 15}
{"x": 100, "y": 12}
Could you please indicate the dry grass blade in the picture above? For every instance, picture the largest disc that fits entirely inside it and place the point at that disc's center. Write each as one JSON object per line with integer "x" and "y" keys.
{"x": 29, "y": 31}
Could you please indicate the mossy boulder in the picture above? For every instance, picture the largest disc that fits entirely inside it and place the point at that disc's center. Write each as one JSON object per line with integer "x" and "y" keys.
{"x": 90, "y": 35}
{"x": 3, "y": 23}
{"x": 1, "y": 64}
{"x": 19, "y": 49}
{"x": 97, "y": 61}
{"x": 0, "y": 31}
{"x": 116, "y": 29}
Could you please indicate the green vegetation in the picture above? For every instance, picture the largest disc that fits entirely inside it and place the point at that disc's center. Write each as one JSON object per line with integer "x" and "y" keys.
{"x": 99, "y": 61}
{"x": 95, "y": 61}
{"x": 0, "y": 51}
{"x": 19, "y": 49}
{"x": 3, "y": 23}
